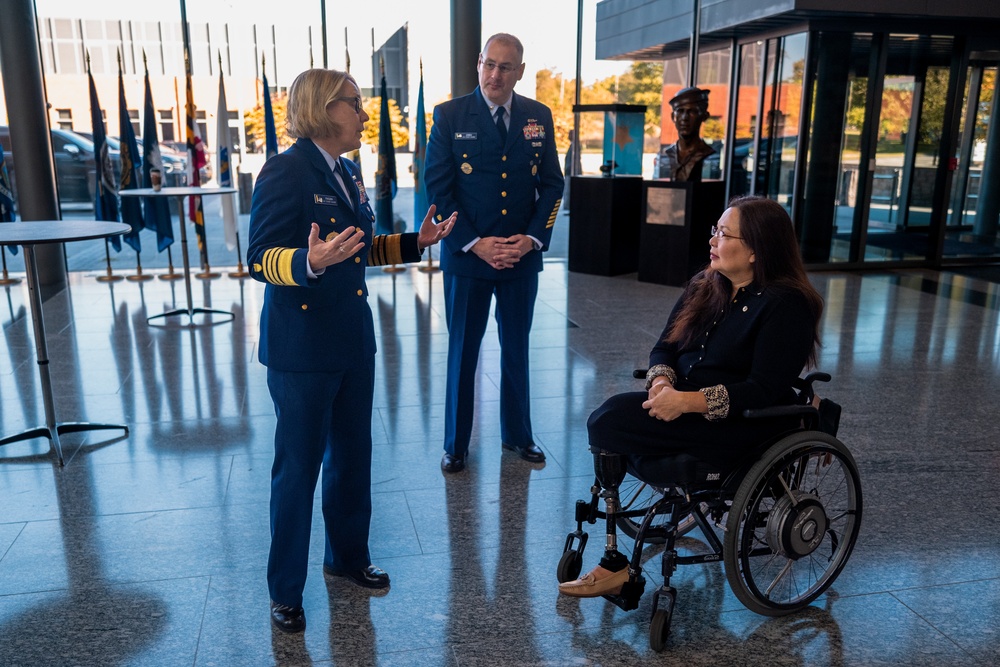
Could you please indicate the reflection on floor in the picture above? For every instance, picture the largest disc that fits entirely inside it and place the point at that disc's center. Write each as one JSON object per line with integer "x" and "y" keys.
{"x": 150, "y": 549}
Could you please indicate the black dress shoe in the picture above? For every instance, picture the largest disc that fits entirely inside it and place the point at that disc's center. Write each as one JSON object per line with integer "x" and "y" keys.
{"x": 529, "y": 452}
{"x": 452, "y": 462}
{"x": 288, "y": 619}
{"x": 368, "y": 577}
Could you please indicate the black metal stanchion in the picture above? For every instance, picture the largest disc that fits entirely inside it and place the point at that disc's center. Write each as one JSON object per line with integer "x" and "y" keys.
{"x": 429, "y": 267}
{"x": 240, "y": 272}
{"x": 206, "y": 269}
{"x": 170, "y": 274}
{"x": 108, "y": 277}
{"x": 138, "y": 276}
{"x": 6, "y": 279}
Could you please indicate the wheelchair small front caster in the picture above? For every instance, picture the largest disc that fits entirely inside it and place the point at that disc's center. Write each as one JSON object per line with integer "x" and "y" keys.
{"x": 569, "y": 566}
{"x": 659, "y": 626}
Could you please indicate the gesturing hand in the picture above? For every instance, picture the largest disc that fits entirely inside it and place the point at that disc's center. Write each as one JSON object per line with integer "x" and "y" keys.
{"x": 431, "y": 232}
{"x": 327, "y": 253}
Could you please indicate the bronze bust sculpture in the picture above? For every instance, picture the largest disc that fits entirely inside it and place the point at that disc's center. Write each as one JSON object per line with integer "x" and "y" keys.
{"x": 682, "y": 161}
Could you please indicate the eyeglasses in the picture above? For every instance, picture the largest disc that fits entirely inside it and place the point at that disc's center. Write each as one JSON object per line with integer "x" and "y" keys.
{"x": 720, "y": 233}
{"x": 356, "y": 101}
{"x": 490, "y": 66}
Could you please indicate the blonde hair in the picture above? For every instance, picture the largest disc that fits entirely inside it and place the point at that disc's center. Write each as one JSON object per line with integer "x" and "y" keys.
{"x": 310, "y": 94}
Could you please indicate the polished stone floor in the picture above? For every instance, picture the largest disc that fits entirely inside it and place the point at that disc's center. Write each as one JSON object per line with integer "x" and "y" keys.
{"x": 150, "y": 549}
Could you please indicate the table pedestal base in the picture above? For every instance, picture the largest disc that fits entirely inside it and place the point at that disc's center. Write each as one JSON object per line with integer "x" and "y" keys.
{"x": 192, "y": 312}
{"x": 53, "y": 434}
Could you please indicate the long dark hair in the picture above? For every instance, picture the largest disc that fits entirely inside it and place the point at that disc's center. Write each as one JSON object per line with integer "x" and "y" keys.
{"x": 767, "y": 231}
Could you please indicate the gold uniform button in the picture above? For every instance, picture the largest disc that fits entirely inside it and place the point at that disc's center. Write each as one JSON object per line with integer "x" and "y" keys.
{"x": 465, "y": 155}
{"x": 503, "y": 175}
{"x": 360, "y": 293}
{"x": 503, "y": 194}
{"x": 333, "y": 220}
{"x": 503, "y": 159}
{"x": 503, "y": 211}
{"x": 357, "y": 260}
{"x": 305, "y": 306}
{"x": 440, "y": 217}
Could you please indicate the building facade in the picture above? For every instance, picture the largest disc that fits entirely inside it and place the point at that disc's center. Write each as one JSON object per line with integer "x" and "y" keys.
{"x": 870, "y": 121}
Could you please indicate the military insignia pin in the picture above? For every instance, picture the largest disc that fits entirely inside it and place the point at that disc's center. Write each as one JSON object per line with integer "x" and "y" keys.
{"x": 533, "y": 130}
{"x": 466, "y": 168}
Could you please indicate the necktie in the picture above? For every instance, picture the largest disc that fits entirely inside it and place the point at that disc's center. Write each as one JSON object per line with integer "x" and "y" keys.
{"x": 501, "y": 126}
{"x": 340, "y": 177}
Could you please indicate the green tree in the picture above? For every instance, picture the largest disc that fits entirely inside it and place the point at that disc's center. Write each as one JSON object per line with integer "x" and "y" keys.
{"x": 253, "y": 123}
{"x": 373, "y": 107}
{"x": 643, "y": 84}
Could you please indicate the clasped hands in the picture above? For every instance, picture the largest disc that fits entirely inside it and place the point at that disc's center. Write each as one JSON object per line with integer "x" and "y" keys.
{"x": 665, "y": 403}
{"x": 348, "y": 242}
{"x": 503, "y": 252}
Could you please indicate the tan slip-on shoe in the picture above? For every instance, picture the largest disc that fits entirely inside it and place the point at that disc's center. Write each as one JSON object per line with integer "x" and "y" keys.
{"x": 595, "y": 583}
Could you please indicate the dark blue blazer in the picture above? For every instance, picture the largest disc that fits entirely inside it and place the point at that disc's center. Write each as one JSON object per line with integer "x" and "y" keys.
{"x": 322, "y": 324}
{"x": 497, "y": 190}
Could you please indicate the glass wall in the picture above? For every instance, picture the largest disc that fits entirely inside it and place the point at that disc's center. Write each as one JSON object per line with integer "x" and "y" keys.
{"x": 768, "y": 104}
{"x": 748, "y": 98}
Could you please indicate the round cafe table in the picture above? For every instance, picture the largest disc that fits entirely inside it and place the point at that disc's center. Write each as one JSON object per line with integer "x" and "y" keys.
{"x": 180, "y": 193}
{"x": 29, "y": 234}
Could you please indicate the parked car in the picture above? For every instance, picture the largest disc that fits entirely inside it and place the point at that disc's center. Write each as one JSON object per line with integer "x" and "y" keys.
{"x": 76, "y": 171}
{"x": 174, "y": 163}
{"x": 181, "y": 148}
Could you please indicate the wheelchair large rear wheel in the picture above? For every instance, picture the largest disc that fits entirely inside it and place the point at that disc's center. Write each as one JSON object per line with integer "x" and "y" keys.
{"x": 634, "y": 494}
{"x": 793, "y": 523}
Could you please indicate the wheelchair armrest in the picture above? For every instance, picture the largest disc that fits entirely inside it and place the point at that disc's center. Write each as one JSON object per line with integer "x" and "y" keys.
{"x": 781, "y": 411}
{"x": 804, "y": 385}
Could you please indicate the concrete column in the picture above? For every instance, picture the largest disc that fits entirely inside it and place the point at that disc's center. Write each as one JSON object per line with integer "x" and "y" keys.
{"x": 466, "y": 40}
{"x": 21, "y": 68}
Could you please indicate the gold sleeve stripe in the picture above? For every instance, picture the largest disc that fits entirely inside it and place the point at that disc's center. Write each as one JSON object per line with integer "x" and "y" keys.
{"x": 278, "y": 266}
{"x": 552, "y": 216}
{"x": 386, "y": 249}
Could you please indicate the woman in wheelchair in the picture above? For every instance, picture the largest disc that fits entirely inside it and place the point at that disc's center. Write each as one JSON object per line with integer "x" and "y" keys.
{"x": 736, "y": 340}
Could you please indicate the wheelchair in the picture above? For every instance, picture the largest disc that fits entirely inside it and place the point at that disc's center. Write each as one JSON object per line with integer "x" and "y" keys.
{"x": 789, "y": 512}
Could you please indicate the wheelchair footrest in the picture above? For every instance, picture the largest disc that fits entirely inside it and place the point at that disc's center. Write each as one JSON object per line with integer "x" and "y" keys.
{"x": 628, "y": 598}
{"x": 585, "y": 512}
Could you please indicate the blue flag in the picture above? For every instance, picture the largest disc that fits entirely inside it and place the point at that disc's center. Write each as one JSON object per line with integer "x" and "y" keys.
{"x": 385, "y": 175}
{"x": 156, "y": 210}
{"x": 270, "y": 134}
{"x": 420, "y": 204}
{"x": 105, "y": 194}
{"x": 129, "y": 179}
{"x": 6, "y": 197}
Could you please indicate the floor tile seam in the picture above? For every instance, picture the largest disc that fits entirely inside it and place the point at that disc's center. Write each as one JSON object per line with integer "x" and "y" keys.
{"x": 100, "y": 583}
{"x": 948, "y": 584}
{"x": 24, "y": 524}
{"x": 201, "y": 623}
{"x": 936, "y": 629}
{"x": 413, "y": 524}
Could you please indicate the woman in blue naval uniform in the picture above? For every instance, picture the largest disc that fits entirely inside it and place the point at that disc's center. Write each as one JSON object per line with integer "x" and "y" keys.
{"x": 309, "y": 223}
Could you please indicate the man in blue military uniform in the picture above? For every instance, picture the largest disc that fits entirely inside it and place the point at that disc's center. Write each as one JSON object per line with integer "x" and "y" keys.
{"x": 492, "y": 159}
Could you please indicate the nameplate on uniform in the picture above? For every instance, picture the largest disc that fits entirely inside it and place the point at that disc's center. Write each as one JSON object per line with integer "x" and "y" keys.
{"x": 325, "y": 200}
{"x": 459, "y": 136}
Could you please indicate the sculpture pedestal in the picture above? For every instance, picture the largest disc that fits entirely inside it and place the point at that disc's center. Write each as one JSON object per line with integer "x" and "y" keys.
{"x": 677, "y": 217}
{"x": 604, "y": 224}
